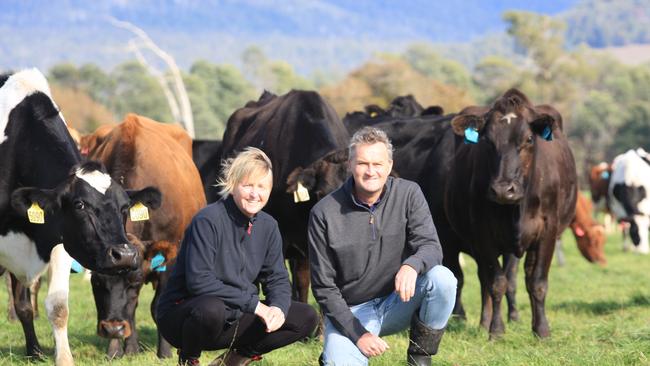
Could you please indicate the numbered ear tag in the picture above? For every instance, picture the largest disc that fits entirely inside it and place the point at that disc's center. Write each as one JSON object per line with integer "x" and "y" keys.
{"x": 35, "y": 214}
{"x": 139, "y": 212}
{"x": 547, "y": 134}
{"x": 301, "y": 194}
{"x": 471, "y": 135}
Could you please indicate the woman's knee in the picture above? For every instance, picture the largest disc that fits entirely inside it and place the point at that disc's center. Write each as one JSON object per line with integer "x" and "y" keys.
{"x": 303, "y": 317}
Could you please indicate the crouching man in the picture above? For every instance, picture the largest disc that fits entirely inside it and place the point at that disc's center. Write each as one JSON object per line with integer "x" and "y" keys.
{"x": 376, "y": 261}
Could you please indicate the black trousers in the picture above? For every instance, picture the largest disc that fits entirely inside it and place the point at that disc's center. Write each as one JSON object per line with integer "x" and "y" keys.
{"x": 202, "y": 323}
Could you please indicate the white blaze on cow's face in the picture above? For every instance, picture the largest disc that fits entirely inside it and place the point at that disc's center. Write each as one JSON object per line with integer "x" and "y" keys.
{"x": 370, "y": 168}
{"x": 96, "y": 179}
{"x": 252, "y": 193}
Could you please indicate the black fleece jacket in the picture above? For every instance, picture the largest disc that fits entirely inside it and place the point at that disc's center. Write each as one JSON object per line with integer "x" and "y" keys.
{"x": 224, "y": 253}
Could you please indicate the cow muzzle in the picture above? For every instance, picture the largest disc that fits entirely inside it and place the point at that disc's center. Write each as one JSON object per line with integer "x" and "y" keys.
{"x": 114, "y": 329}
{"x": 506, "y": 193}
{"x": 123, "y": 257}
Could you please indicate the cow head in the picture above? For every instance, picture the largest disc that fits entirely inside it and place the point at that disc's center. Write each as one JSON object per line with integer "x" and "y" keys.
{"x": 591, "y": 242}
{"x": 323, "y": 176}
{"x": 116, "y": 296}
{"x": 599, "y": 181}
{"x": 509, "y": 130}
{"x": 91, "y": 209}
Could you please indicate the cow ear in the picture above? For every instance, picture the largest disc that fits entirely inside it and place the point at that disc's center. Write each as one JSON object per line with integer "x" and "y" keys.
{"x": 544, "y": 125}
{"x": 150, "y": 197}
{"x": 468, "y": 126}
{"x": 22, "y": 200}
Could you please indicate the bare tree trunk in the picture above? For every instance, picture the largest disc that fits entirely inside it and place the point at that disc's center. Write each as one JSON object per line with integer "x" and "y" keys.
{"x": 181, "y": 101}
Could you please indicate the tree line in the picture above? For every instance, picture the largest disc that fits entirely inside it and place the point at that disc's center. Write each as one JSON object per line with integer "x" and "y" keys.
{"x": 604, "y": 103}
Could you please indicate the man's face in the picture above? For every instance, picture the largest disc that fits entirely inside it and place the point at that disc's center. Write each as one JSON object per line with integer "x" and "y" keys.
{"x": 252, "y": 193}
{"x": 370, "y": 168}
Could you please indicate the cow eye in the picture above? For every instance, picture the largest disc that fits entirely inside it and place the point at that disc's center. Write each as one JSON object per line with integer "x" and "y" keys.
{"x": 79, "y": 205}
{"x": 530, "y": 139}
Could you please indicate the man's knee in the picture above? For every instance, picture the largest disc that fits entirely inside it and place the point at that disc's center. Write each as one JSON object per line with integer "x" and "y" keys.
{"x": 442, "y": 280}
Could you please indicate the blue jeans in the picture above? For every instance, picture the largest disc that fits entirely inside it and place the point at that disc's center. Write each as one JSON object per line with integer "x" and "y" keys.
{"x": 435, "y": 295}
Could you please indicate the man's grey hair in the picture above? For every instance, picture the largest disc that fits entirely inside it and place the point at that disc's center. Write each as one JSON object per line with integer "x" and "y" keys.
{"x": 368, "y": 136}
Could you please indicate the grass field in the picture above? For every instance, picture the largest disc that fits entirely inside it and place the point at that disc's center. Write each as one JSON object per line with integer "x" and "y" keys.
{"x": 598, "y": 316}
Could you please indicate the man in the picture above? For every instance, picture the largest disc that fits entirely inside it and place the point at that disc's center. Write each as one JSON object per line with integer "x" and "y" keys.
{"x": 376, "y": 261}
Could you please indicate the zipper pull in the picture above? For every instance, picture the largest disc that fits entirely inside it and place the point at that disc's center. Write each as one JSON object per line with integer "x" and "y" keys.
{"x": 250, "y": 227}
{"x": 372, "y": 219}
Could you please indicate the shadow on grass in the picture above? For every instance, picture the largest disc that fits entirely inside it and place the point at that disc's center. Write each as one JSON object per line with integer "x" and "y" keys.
{"x": 603, "y": 307}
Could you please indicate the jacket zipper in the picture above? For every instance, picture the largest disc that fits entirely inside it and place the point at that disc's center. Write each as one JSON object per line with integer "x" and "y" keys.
{"x": 372, "y": 223}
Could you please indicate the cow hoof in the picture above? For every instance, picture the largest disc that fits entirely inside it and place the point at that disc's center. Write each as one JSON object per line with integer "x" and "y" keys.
{"x": 65, "y": 360}
{"x": 36, "y": 354}
{"x": 131, "y": 349}
{"x": 513, "y": 316}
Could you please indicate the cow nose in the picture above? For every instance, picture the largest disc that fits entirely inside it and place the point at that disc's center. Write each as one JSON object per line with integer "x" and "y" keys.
{"x": 123, "y": 256}
{"x": 506, "y": 192}
{"x": 113, "y": 329}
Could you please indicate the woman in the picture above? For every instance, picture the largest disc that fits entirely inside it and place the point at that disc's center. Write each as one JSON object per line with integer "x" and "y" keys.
{"x": 211, "y": 300}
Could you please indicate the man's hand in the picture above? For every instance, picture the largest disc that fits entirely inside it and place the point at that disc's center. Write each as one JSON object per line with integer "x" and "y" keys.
{"x": 371, "y": 345}
{"x": 272, "y": 316}
{"x": 405, "y": 282}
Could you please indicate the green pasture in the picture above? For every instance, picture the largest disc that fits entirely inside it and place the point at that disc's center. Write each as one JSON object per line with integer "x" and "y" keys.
{"x": 598, "y": 316}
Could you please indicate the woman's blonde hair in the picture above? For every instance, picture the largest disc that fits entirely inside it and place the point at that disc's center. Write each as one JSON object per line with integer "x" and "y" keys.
{"x": 251, "y": 162}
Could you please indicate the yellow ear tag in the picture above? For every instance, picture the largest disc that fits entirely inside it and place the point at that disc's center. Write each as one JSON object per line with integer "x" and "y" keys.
{"x": 139, "y": 212}
{"x": 373, "y": 114}
{"x": 301, "y": 194}
{"x": 35, "y": 214}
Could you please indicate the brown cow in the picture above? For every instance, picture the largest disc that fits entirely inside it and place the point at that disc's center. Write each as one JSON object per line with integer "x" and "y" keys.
{"x": 139, "y": 152}
{"x": 589, "y": 234}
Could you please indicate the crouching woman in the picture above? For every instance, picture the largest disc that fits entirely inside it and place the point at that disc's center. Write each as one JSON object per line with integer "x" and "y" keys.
{"x": 211, "y": 301}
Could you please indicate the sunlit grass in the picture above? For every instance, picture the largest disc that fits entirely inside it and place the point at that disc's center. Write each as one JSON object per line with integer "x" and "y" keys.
{"x": 598, "y": 316}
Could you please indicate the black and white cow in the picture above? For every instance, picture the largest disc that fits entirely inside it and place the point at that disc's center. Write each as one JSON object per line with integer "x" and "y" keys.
{"x": 629, "y": 195}
{"x": 82, "y": 210}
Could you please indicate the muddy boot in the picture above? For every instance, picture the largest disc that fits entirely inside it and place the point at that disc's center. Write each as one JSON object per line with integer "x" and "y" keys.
{"x": 423, "y": 342}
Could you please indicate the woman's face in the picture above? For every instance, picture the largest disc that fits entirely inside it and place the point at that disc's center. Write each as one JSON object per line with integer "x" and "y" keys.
{"x": 252, "y": 193}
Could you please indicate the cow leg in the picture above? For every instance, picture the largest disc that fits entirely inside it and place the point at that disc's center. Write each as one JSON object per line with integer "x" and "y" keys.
{"x": 301, "y": 279}
{"x": 495, "y": 284}
{"x": 56, "y": 303}
{"x": 25, "y": 314}
{"x": 643, "y": 224}
{"x": 11, "y": 309}
{"x": 511, "y": 266}
{"x": 559, "y": 253}
{"x": 486, "y": 302}
{"x": 33, "y": 290}
{"x": 131, "y": 343}
{"x": 164, "y": 348}
{"x": 538, "y": 261}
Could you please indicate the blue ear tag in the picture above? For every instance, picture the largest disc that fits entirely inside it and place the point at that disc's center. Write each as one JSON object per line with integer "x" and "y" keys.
{"x": 471, "y": 135}
{"x": 547, "y": 134}
{"x": 157, "y": 263}
{"x": 76, "y": 267}
{"x": 604, "y": 174}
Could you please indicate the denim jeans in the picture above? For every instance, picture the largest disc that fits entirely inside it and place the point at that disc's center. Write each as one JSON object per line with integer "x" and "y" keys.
{"x": 435, "y": 296}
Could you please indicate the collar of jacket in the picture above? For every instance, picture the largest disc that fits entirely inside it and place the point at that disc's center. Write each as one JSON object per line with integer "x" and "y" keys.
{"x": 235, "y": 213}
{"x": 348, "y": 188}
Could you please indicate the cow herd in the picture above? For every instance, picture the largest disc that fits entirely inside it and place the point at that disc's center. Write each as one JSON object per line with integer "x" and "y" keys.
{"x": 500, "y": 182}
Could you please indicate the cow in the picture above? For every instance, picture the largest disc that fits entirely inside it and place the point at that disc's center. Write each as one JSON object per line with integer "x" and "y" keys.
{"x": 589, "y": 234}
{"x": 140, "y": 152}
{"x": 294, "y": 130}
{"x": 401, "y": 107}
{"x": 206, "y": 155}
{"x": 53, "y": 206}
{"x": 599, "y": 176}
{"x": 628, "y": 192}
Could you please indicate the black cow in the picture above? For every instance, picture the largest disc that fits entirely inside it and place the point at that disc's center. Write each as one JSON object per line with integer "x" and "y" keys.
{"x": 512, "y": 192}
{"x": 206, "y": 155}
{"x": 80, "y": 206}
{"x": 294, "y": 130}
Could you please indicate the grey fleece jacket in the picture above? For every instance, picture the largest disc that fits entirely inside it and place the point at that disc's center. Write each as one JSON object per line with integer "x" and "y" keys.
{"x": 355, "y": 252}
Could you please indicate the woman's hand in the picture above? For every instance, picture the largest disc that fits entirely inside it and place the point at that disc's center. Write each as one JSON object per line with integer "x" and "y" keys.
{"x": 272, "y": 316}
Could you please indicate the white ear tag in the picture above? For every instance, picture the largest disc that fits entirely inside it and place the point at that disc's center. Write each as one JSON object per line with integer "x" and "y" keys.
{"x": 35, "y": 214}
{"x": 301, "y": 194}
